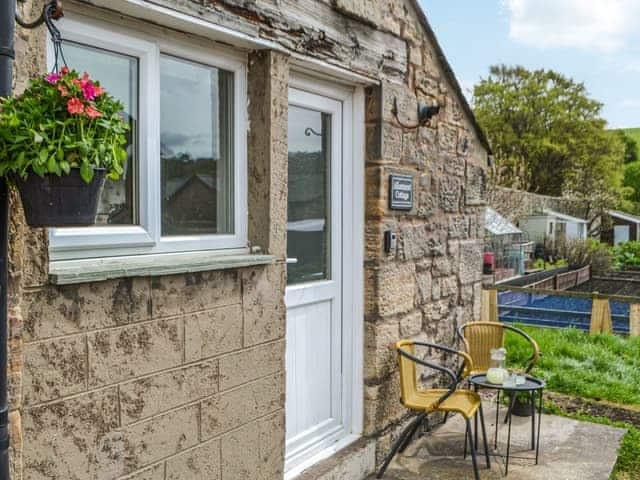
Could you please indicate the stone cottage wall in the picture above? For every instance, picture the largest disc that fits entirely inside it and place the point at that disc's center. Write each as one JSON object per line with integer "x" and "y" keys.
{"x": 182, "y": 376}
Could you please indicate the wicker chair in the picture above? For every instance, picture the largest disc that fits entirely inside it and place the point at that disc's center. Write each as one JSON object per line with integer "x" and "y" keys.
{"x": 479, "y": 338}
{"x": 426, "y": 401}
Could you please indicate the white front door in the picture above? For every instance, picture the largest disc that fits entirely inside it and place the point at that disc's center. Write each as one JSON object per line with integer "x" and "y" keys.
{"x": 317, "y": 404}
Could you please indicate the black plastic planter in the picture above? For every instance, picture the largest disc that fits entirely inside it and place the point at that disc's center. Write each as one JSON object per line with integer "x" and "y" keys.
{"x": 522, "y": 407}
{"x": 65, "y": 201}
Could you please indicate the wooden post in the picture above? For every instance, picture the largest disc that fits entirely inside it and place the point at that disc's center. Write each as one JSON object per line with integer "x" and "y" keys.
{"x": 634, "y": 320}
{"x": 489, "y": 312}
{"x": 600, "y": 317}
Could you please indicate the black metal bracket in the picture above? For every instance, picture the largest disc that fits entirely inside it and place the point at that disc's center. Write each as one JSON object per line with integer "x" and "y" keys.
{"x": 52, "y": 10}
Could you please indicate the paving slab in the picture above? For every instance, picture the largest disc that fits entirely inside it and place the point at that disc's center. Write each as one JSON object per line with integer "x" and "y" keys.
{"x": 569, "y": 450}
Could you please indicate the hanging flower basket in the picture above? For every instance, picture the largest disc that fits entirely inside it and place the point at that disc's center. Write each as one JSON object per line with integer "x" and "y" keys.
{"x": 59, "y": 140}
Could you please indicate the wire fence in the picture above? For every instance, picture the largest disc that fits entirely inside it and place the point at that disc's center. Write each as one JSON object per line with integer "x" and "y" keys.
{"x": 591, "y": 312}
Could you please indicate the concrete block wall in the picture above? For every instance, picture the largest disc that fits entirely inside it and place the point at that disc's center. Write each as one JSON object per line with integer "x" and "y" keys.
{"x": 137, "y": 377}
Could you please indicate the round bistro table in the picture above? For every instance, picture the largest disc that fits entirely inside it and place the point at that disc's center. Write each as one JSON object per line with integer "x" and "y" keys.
{"x": 533, "y": 386}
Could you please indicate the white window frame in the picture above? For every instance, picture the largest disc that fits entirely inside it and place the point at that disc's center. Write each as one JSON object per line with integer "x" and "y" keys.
{"x": 106, "y": 241}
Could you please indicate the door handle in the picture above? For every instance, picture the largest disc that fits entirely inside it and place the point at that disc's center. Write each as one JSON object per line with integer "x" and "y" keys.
{"x": 292, "y": 260}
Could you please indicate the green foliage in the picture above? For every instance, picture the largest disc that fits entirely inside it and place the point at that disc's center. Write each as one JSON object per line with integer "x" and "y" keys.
{"x": 627, "y": 254}
{"x": 548, "y": 136}
{"x": 62, "y": 121}
{"x": 580, "y": 253}
{"x": 631, "y": 146}
{"x": 603, "y": 367}
{"x": 634, "y": 135}
{"x": 541, "y": 264}
{"x": 632, "y": 182}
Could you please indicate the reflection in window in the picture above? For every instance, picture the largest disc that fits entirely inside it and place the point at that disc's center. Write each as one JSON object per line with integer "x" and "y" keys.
{"x": 118, "y": 74}
{"x": 308, "y": 232}
{"x": 196, "y": 118}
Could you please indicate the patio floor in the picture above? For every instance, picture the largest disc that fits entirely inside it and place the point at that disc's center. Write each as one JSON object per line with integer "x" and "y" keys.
{"x": 569, "y": 450}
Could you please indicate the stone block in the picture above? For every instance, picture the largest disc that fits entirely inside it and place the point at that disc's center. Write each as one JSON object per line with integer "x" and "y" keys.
{"x": 448, "y": 139}
{"x": 203, "y": 462}
{"x": 159, "y": 437}
{"x": 454, "y": 165}
{"x": 476, "y": 185}
{"x": 213, "y": 332}
{"x": 248, "y": 365}
{"x": 442, "y": 266}
{"x": 391, "y": 144}
{"x": 382, "y": 405}
{"x": 419, "y": 241}
{"x": 380, "y": 355}
{"x": 148, "y": 396}
{"x": 194, "y": 292}
{"x": 459, "y": 227}
{"x": 263, "y": 306}
{"x": 449, "y": 287}
{"x": 16, "y": 447}
{"x": 231, "y": 409}
{"x": 255, "y": 451}
{"x": 54, "y": 369}
{"x": 411, "y": 324}
{"x": 74, "y": 439}
{"x": 123, "y": 353}
{"x": 470, "y": 262}
{"x": 450, "y": 194}
{"x": 424, "y": 282}
{"x": 395, "y": 290}
{"x": 66, "y": 309}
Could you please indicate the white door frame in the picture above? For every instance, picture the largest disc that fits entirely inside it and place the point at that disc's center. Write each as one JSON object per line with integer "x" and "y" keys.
{"x": 352, "y": 99}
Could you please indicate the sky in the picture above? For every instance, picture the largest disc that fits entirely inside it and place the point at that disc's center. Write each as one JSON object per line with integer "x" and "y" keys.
{"x": 592, "y": 41}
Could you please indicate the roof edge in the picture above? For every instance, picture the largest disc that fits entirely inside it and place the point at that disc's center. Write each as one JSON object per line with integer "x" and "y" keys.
{"x": 451, "y": 75}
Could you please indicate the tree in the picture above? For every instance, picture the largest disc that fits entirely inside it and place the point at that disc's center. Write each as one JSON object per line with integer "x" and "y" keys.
{"x": 630, "y": 147}
{"x": 548, "y": 135}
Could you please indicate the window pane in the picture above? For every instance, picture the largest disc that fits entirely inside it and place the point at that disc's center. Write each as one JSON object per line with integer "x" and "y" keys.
{"x": 196, "y": 112}
{"x": 119, "y": 75}
{"x": 308, "y": 233}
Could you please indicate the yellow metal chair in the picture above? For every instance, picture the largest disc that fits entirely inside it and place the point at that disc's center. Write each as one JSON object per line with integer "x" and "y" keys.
{"x": 480, "y": 337}
{"x": 426, "y": 401}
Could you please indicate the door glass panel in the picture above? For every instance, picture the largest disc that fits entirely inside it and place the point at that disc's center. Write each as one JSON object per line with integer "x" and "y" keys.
{"x": 308, "y": 232}
{"x": 118, "y": 74}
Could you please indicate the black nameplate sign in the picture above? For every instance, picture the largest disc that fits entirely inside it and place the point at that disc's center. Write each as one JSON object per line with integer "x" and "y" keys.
{"x": 400, "y": 192}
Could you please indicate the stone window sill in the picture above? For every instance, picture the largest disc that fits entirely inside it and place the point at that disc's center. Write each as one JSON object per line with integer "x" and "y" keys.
{"x": 65, "y": 272}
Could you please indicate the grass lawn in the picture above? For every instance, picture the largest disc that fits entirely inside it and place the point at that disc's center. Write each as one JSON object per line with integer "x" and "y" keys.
{"x": 601, "y": 367}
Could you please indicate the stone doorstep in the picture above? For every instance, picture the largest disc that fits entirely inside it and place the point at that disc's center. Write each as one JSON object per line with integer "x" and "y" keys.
{"x": 354, "y": 462}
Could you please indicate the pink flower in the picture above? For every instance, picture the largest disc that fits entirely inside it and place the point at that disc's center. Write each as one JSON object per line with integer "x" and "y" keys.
{"x": 88, "y": 90}
{"x": 63, "y": 90}
{"x": 53, "y": 78}
{"x": 92, "y": 112}
{"x": 98, "y": 90}
{"x": 64, "y": 70}
{"x": 75, "y": 106}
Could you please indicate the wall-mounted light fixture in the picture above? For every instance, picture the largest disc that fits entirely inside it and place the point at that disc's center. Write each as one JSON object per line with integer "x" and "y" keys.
{"x": 427, "y": 112}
